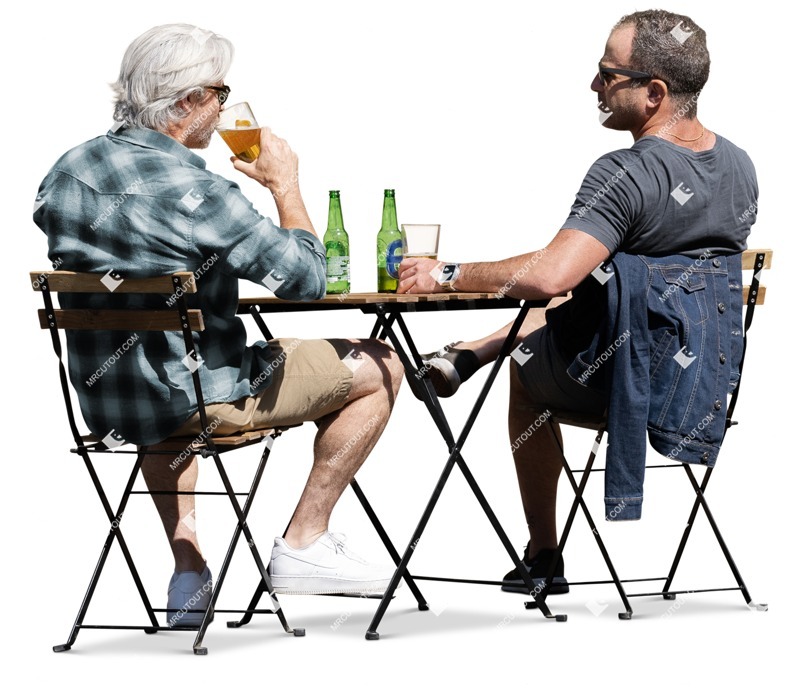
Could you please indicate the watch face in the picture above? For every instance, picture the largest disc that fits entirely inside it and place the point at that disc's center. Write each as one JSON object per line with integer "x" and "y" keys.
{"x": 447, "y": 274}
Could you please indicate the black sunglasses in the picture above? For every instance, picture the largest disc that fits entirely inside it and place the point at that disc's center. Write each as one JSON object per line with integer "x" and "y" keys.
{"x": 605, "y": 72}
{"x": 221, "y": 93}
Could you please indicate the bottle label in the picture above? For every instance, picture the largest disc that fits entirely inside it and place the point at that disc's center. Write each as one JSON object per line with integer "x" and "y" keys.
{"x": 338, "y": 268}
{"x": 394, "y": 258}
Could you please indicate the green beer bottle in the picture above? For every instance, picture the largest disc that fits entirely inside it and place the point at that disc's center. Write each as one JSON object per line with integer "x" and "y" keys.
{"x": 389, "y": 246}
{"x": 337, "y": 249}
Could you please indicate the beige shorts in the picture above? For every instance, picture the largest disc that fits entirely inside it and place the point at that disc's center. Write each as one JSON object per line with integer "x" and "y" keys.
{"x": 310, "y": 381}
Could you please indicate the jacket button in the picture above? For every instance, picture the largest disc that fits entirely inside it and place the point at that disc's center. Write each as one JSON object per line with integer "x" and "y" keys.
{"x": 717, "y": 405}
{"x": 705, "y": 457}
{"x": 722, "y": 308}
{"x": 722, "y": 358}
{"x": 716, "y": 263}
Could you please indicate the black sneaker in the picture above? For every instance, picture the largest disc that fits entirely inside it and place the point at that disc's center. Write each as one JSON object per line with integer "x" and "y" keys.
{"x": 449, "y": 368}
{"x": 538, "y": 569}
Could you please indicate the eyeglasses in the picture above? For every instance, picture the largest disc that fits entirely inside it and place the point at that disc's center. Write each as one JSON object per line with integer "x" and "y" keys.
{"x": 604, "y": 73}
{"x": 221, "y": 93}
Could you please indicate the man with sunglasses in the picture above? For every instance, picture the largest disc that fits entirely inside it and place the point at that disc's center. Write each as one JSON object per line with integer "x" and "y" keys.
{"x": 138, "y": 202}
{"x": 669, "y": 211}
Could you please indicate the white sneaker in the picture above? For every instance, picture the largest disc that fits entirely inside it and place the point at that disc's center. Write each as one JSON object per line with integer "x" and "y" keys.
{"x": 188, "y": 591}
{"x": 325, "y": 567}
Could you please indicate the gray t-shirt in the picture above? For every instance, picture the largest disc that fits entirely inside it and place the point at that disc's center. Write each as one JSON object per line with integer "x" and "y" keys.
{"x": 656, "y": 199}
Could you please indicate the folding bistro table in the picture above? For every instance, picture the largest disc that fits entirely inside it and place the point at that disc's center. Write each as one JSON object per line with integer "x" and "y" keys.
{"x": 388, "y": 310}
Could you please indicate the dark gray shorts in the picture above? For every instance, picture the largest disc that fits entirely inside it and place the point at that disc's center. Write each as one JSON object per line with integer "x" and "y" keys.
{"x": 544, "y": 376}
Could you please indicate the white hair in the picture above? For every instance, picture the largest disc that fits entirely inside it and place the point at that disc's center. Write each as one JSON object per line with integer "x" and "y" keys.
{"x": 164, "y": 65}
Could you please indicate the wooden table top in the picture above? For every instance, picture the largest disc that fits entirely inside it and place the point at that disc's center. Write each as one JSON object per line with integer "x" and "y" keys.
{"x": 367, "y": 298}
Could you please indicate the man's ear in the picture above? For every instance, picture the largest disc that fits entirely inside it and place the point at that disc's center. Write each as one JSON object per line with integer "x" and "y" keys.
{"x": 656, "y": 92}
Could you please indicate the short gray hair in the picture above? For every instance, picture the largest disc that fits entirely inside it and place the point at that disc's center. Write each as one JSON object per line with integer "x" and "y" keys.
{"x": 164, "y": 65}
{"x": 672, "y": 47}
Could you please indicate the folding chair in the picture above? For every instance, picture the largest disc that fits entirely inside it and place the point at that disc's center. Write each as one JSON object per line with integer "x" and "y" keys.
{"x": 754, "y": 260}
{"x": 185, "y": 321}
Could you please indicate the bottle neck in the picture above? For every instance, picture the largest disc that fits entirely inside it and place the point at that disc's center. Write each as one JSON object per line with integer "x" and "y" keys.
{"x": 389, "y": 214}
{"x": 335, "y": 220}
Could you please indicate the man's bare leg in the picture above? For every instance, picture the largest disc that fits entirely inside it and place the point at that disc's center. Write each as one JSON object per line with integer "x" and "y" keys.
{"x": 487, "y": 348}
{"x": 345, "y": 438}
{"x": 538, "y": 462}
{"x": 176, "y": 511}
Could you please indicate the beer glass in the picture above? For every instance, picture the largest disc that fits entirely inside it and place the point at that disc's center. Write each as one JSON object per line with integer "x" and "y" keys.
{"x": 420, "y": 241}
{"x": 240, "y": 131}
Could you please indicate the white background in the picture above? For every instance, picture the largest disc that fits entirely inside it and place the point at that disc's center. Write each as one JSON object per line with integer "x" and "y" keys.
{"x": 481, "y": 117}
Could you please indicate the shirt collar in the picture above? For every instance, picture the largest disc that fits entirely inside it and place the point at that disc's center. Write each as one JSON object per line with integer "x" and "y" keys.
{"x": 146, "y": 137}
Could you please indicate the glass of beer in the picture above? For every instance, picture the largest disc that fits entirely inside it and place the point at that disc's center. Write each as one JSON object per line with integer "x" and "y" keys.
{"x": 420, "y": 241}
{"x": 240, "y": 131}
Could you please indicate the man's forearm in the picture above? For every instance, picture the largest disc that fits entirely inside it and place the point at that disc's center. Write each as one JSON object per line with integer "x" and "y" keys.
{"x": 515, "y": 277}
{"x": 291, "y": 210}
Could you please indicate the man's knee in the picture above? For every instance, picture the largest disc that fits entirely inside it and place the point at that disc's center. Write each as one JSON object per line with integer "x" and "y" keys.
{"x": 375, "y": 365}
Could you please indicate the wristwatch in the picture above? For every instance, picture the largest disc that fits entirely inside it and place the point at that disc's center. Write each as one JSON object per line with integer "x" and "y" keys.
{"x": 448, "y": 275}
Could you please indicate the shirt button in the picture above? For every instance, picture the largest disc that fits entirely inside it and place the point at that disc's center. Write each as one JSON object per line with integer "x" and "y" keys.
{"x": 722, "y": 358}
{"x": 705, "y": 458}
{"x": 722, "y": 308}
{"x": 717, "y": 405}
{"x": 716, "y": 263}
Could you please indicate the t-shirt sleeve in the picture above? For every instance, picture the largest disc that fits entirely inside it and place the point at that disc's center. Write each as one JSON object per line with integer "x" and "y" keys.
{"x": 289, "y": 262}
{"x": 608, "y": 201}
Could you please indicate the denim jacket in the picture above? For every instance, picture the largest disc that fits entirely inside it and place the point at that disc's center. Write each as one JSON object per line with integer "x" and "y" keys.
{"x": 667, "y": 355}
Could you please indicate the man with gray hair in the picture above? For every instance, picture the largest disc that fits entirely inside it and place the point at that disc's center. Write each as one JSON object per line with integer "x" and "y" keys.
{"x": 138, "y": 202}
{"x": 662, "y": 223}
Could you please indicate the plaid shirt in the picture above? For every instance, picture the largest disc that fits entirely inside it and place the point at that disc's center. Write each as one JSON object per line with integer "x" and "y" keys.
{"x": 137, "y": 203}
